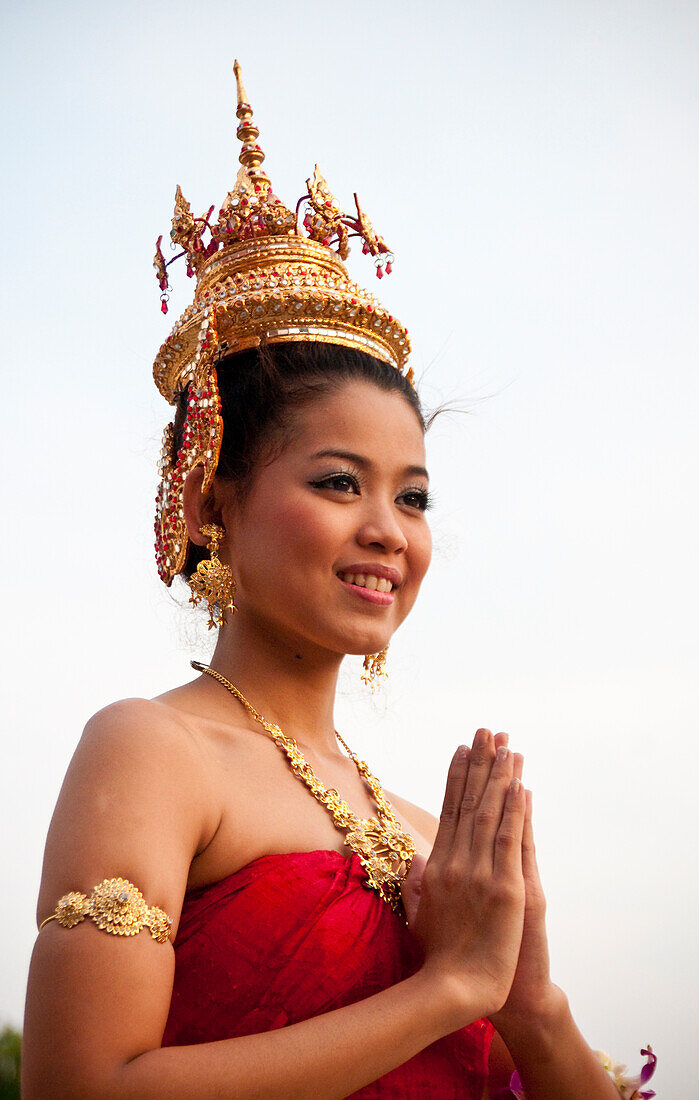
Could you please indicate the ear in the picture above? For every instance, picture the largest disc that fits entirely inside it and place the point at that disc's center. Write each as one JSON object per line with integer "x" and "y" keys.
{"x": 198, "y": 508}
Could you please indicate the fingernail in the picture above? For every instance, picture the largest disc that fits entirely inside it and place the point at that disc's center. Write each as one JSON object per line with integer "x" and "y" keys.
{"x": 514, "y": 786}
{"x": 502, "y": 753}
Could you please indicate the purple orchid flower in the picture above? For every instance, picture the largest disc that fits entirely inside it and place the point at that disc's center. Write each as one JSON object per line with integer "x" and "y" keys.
{"x": 647, "y": 1072}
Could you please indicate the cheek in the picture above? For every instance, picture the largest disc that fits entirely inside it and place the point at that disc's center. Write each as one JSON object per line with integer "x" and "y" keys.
{"x": 299, "y": 531}
{"x": 421, "y": 551}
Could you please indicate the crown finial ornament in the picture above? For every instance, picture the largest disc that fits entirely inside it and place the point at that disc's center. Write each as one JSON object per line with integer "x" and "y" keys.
{"x": 240, "y": 87}
{"x": 264, "y": 272}
{"x": 251, "y": 155}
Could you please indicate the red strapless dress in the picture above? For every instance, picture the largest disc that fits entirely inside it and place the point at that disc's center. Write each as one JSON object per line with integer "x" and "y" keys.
{"x": 292, "y": 936}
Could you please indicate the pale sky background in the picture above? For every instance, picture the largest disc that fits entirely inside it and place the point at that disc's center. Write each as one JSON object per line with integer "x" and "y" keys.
{"x": 534, "y": 166}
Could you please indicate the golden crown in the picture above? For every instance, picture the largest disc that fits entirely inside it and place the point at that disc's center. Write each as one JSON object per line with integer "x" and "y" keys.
{"x": 267, "y": 278}
{"x": 263, "y": 272}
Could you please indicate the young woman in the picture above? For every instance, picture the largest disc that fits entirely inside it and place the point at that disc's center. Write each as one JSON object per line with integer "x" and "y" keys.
{"x": 289, "y": 931}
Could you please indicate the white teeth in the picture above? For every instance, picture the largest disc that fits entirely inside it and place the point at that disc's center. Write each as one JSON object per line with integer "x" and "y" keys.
{"x": 378, "y": 584}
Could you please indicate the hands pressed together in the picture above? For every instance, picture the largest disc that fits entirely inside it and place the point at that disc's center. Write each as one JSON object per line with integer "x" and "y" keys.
{"x": 476, "y": 904}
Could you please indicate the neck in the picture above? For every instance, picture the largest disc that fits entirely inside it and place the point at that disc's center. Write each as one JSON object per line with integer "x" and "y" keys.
{"x": 290, "y": 683}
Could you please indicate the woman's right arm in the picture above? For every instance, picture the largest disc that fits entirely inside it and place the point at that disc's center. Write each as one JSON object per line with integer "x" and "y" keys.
{"x": 97, "y": 1004}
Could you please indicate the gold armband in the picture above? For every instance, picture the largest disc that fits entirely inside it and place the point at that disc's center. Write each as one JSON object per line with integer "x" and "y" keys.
{"x": 116, "y": 906}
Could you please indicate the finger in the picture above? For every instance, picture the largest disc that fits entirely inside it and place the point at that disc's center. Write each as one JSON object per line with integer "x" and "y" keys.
{"x": 487, "y": 818}
{"x": 451, "y": 806}
{"x": 517, "y": 765}
{"x": 508, "y": 842}
{"x": 529, "y": 864}
{"x": 480, "y": 764}
{"x": 535, "y": 903}
{"x": 501, "y": 739}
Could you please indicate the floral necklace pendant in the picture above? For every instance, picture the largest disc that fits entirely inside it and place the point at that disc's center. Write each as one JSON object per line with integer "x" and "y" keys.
{"x": 385, "y": 853}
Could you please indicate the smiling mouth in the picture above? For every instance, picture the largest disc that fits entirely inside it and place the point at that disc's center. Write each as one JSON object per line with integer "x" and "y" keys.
{"x": 367, "y": 580}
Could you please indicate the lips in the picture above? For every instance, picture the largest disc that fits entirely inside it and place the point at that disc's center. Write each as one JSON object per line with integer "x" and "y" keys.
{"x": 373, "y": 595}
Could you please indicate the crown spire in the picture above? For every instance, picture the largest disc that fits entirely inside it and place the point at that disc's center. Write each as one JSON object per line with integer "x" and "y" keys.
{"x": 251, "y": 155}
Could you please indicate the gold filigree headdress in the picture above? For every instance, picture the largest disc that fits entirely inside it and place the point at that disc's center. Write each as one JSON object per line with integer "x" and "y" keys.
{"x": 263, "y": 272}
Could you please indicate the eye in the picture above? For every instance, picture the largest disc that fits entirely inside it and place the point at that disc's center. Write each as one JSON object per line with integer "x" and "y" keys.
{"x": 339, "y": 482}
{"x": 417, "y": 498}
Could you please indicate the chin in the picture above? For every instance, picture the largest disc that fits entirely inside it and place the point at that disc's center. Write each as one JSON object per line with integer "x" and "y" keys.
{"x": 328, "y": 631}
{"x": 359, "y": 646}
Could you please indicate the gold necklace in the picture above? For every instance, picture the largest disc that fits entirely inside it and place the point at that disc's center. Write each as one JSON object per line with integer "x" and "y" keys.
{"x": 384, "y": 850}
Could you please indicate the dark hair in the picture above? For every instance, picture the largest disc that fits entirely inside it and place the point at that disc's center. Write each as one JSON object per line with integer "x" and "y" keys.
{"x": 260, "y": 387}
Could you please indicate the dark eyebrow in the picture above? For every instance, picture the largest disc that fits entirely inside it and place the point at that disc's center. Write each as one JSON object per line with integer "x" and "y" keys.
{"x": 360, "y": 460}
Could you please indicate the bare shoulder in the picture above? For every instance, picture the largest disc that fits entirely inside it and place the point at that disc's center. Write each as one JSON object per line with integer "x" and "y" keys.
{"x": 425, "y": 823}
{"x": 135, "y": 803}
{"x": 140, "y": 741}
{"x": 136, "y": 722}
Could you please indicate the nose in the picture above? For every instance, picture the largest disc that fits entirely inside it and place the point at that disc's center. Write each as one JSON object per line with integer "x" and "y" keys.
{"x": 381, "y": 529}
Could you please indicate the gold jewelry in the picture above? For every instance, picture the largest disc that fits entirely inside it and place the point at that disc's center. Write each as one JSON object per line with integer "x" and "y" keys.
{"x": 375, "y": 668}
{"x": 201, "y": 443}
{"x": 384, "y": 849}
{"x": 116, "y": 906}
{"x": 213, "y": 580}
{"x": 264, "y": 272}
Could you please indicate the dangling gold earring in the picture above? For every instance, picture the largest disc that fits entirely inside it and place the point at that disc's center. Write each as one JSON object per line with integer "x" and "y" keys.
{"x": 213, "y": 580}
{"x": 375, "y": 668}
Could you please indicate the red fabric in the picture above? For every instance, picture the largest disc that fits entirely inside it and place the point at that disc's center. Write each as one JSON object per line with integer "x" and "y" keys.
{"x": 292, "y": 936}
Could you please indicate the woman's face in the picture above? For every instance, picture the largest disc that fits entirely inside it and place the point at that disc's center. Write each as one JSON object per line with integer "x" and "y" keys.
{"x": 335, "y": 518}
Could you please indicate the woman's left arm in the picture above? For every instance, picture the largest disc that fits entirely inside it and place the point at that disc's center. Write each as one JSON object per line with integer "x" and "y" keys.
{"x": 535, "y": 1023}
{"x": 552, "y": 1057}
